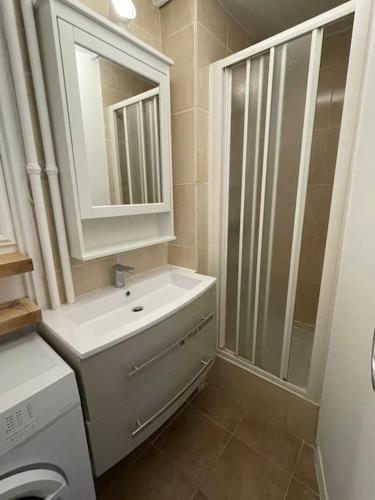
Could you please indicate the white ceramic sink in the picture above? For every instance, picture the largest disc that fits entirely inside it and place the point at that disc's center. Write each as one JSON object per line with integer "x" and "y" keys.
{"x": 102, "y": 318}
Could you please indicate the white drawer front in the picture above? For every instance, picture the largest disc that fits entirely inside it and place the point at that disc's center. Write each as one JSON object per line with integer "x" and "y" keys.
{"x": 116, "y": 434}
{"x": 115, "y": 375}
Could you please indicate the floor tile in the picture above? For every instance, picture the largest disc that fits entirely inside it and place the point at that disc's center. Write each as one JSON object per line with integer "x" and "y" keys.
{"x": 151, "y": 477}
{"x": 118, "y": 471}
{"x": 192, "y": 442}
{"x": 218, "y": 406}
{"x": 298, "y": 492}
{"x": 200, "y": 496}
{"x": 272, "y": 442}
{"x": 305, "y": 468}
{"x": 242, "y": 474}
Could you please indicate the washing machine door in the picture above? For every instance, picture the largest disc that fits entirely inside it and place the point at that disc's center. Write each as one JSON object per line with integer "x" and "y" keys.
{"x": 35, "y": 484}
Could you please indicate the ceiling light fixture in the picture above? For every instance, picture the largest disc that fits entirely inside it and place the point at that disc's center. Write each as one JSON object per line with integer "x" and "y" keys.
{"x": 159, "y": 3}
{"x": 125, "y": 9}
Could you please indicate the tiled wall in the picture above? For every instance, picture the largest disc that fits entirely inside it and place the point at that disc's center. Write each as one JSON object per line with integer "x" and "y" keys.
{"x": 322, "y": 170}
{"x": 297, "y": 415}
{"x": 194, "y": 33}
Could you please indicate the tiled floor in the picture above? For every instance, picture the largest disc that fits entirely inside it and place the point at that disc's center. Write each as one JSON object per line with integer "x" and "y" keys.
{"x": 215, "y": 449}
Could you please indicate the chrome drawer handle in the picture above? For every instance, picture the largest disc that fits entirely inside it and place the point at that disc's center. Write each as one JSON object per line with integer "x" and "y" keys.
{"x": 142, "y": 426}
{"x": 139, "y": 368}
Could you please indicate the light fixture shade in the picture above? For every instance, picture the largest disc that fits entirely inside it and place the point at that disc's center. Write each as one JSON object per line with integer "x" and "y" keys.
{"x": 159, "y": 3}
{"x": 125, "y": 9}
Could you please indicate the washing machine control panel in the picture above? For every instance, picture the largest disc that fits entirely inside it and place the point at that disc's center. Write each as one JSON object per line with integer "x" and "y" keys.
{"x": 21, "y": 420}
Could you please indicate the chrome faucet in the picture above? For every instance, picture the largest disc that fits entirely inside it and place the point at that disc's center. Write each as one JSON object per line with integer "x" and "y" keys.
{"x": 119, "y": 272}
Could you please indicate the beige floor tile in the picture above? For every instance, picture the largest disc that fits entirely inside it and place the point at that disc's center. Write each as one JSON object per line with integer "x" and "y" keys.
{"x": 223, "y": 410}
{"x": 242, "y": 474}
{"x": 298, "y": 492}
{"x": 305, "y": 468}
{"x": 151, "y": 477}
{"x": 118, "y": 471}
{"x": 200, "y": 496}
{"x": 273, "y": 443}
{"x": 192, "y": 442}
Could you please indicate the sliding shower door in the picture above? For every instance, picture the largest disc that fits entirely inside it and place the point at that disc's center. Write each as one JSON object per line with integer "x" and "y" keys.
{"x": 270, "y": 110}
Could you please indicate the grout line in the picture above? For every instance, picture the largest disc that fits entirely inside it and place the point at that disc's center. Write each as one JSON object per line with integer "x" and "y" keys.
{"x": 183, "y": 111}
{"x": 165, "y": 38}
{"x": 220, "y": 454}
{"x": 293, "y": 470}
{"x": 306, "y": 487}
{"x": 223, "y": 44}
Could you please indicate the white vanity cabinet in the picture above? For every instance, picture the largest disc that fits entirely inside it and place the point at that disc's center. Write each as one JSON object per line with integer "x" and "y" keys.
{"x": 109, "y": 100}
{"x": 130, "y": 389}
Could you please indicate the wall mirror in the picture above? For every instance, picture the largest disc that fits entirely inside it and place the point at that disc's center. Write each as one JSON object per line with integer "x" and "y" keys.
{"x": 120, "y": 114}
{"x": 120, "y": 123}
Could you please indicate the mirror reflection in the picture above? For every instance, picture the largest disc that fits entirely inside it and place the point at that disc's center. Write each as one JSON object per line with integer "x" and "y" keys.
{"x": 120, "y": 112}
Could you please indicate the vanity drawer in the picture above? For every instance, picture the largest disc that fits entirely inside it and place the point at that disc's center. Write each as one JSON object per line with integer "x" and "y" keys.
{"x": 116, "y": 434}
{"x": 116, "y": 374}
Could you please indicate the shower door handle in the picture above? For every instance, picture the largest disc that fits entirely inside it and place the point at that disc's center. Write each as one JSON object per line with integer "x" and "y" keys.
{"x": 373, "y": 362}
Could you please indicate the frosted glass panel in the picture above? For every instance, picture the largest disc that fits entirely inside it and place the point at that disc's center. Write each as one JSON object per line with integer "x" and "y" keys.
{"x": 287, "y": 117}
{"x": 152, "y": 153}
{"x": 235, "y": 172}
{"x": 259, "y": 67}
{"x": 327, "y": 121}
{"x": 134, "y": 158}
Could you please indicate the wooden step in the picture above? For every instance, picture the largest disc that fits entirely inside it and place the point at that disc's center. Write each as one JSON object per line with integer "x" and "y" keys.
{"x": 14, "y": 263}
{"x": 18, "y": 313}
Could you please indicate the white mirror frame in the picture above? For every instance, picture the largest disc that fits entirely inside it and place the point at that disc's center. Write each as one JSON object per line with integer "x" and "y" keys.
{"x": 69, "y": 37}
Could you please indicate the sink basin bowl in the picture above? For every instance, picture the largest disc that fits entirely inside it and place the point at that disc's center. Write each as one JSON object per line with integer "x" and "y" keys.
{"x": 109, "y": 315}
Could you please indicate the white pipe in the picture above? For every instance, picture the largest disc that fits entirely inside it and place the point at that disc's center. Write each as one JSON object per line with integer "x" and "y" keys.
{"x": 33, "y": 169}
{"x": 45, "y": 126}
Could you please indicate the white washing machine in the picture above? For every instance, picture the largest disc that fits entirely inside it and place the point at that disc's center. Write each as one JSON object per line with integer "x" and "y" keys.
{"x": 43, "y": 448}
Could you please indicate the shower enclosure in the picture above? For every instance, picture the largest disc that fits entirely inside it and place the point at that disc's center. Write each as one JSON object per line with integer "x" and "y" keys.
{"x": 279, "y": 108}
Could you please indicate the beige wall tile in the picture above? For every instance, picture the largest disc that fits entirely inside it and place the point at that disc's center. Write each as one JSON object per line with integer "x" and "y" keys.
{"x": 238, "y": 39}
{"x": 148, "y": 17}
{"x": 324, "y": 98}
{"x": 319, "y": 173}
{"x": 302, "y": 419}
{"x": 180, "y": 47}
{"x": 99, "y": 6}
{"x": 146, "y": 258}
{"x": 184, "y": 214}
{"x": 99, "y": 272}
{"x": 183, "y": 147}
{"x": 262, "y": 397}
{"x": 202, "y": 214}
{"x": 306, "y": 305}
{"x": 202, "y": 145}
{"x": 175, "y": 15}
{"x": 331, "y": 153}
{"x": 144, "y": 35}
{"x": 80, "y": 282}
{"x": 305, "y": 271}
{"x": 214, "y": 17}
{"x": 179, "y": 255}
{"x": 318, "y": 202}
{"x": 203, "y": 260}
{"x": 209, "y": 50}
{"x": 234, "y": 381}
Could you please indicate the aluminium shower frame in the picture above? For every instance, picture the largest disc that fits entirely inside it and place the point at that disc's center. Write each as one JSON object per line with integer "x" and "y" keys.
{"x": 219, "y": 147}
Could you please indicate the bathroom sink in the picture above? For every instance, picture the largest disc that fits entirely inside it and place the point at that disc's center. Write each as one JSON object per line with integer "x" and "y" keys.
{"x": 107, "y": 316}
